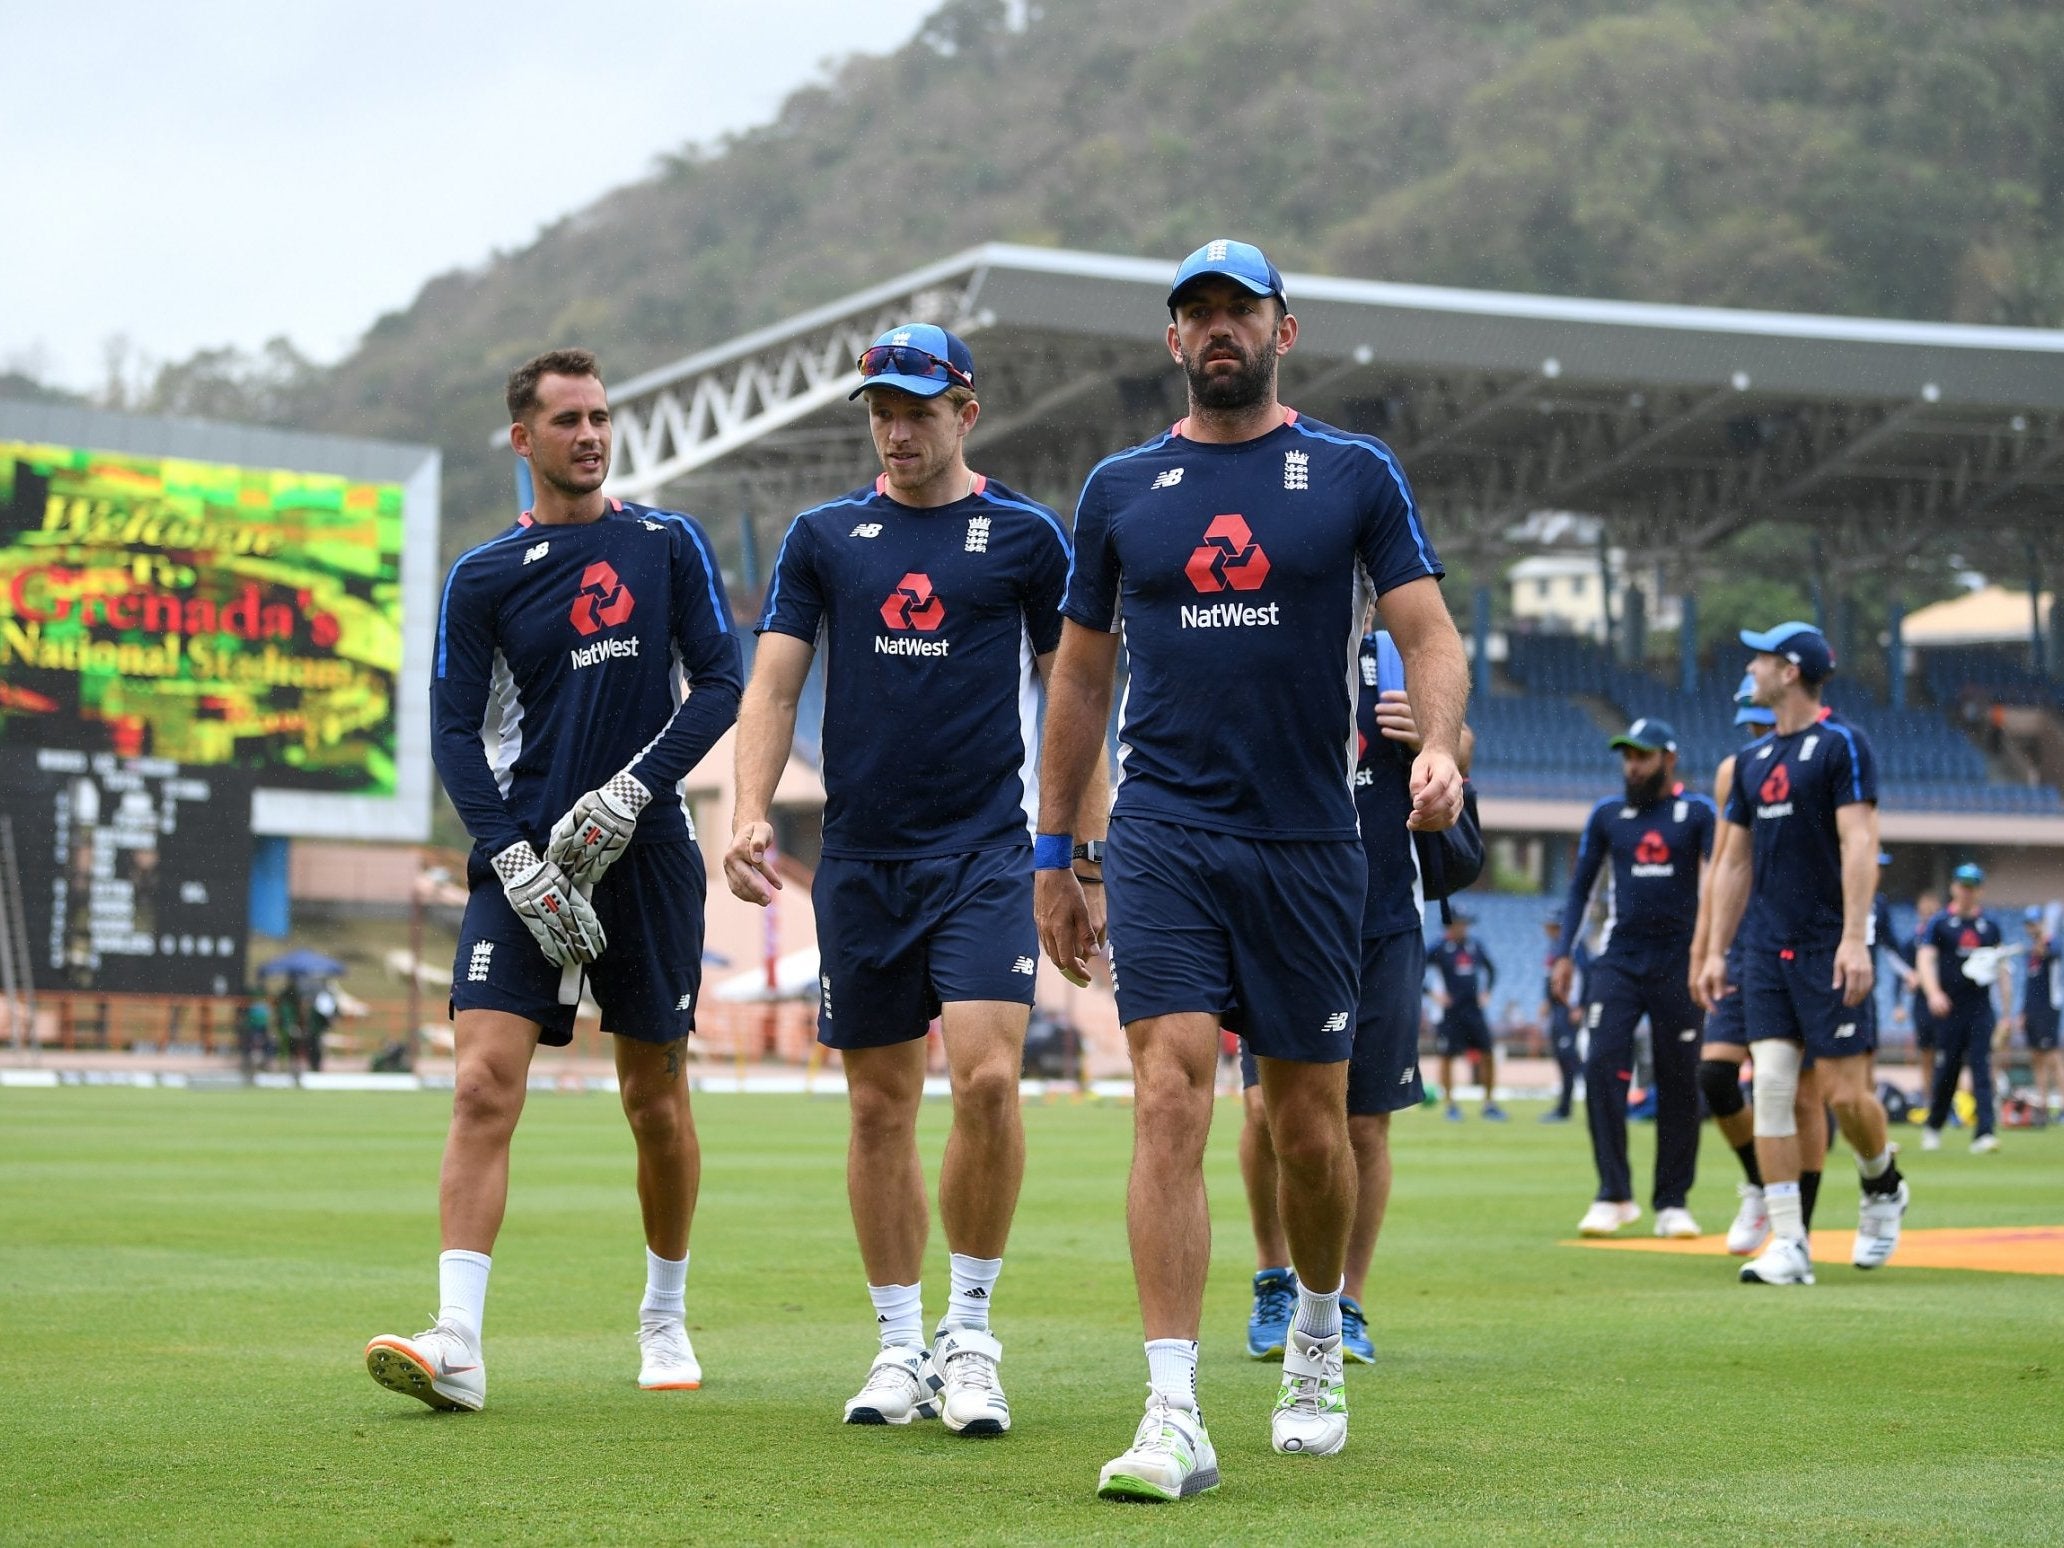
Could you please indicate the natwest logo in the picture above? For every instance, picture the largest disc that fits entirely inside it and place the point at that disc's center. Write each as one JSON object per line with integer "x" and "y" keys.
{"x": 913, "y": 606}
{"x": 1229, "y": 558}
{"x": 1652, "y": 856}
{"x": 603, "y": 601}
{"x": 1777, "y": 785}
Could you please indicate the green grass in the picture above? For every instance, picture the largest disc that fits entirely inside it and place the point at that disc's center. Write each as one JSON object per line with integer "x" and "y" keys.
{"x": 186, "y": 1280}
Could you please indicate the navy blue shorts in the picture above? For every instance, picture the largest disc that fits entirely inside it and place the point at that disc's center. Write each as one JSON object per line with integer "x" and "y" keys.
{"x": 1461, "y": 1029}
{"x": 1923, "y": 1021}
{"x": 1727, "y": 1022}
{"x": 1789, "y": 994}
{"x": 1263, "y": 934}
{"x": 899, "y": 938}
{"x": 1383, "y": 1071}
{"x": 650, "y": 903}
{"x": 2041, "y": 1036}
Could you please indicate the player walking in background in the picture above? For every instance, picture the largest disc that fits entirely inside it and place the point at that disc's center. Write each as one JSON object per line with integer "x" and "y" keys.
{"x": 1960, "y": 965}
{"x": 1807, "y": 796}
{"x": 1655, "y": 838}
{"x": 2039, "y": 1016}
{"x": 1383, "y": 1071}
{"x": 561, "y": 733}
{"x": 1562, "y": 1016}
{"x": 934, "y": 592}
{"x": 1236, "y": 551}
{"x": 1467, "y": 976}
{"x": 1926, "y": 906}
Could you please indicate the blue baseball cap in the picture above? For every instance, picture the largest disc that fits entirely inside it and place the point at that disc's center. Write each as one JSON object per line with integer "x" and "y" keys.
{"x": 1799, "y": 643}
{"x": 1969, "y": 874}
{"x": 922, "y": 359}
{"x": 2033, "y": 914}
{"x": 1647, "y": 735}
{"x": 1241, "y": 262}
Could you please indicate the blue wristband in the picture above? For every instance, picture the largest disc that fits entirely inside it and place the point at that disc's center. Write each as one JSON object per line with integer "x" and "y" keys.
{"x": 1053, "y": 851}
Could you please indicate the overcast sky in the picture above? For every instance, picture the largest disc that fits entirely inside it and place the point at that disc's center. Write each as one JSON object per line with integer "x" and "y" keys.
{"x": 223, "y": 171}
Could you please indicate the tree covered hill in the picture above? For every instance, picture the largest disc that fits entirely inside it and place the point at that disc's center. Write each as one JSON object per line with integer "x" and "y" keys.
{"x": 1893, "y": 157}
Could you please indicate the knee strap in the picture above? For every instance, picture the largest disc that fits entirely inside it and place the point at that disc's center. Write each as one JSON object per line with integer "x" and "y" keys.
{"x": 1777, "y": 1086}
{"x": 1720, "y": 1081}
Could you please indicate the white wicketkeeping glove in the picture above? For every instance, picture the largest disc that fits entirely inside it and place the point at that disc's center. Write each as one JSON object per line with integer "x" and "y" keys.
{"x": 591, "y": 837}
{"x": 555, "y": 911}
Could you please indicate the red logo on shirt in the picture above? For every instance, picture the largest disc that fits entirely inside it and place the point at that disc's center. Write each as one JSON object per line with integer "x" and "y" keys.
{"x": 603, "y": 601}
{"x": 1968, "y": 941}
{"x": 912, "y": 606}
{"x": 1777, "y": 786}
{"x": 1229, "y": 559}
{"x": 1652, "y": 850}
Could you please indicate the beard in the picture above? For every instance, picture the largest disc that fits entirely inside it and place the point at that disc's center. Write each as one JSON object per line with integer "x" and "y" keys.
{"x": 1643, "y": 792}
{"x": 1245, "y": 388}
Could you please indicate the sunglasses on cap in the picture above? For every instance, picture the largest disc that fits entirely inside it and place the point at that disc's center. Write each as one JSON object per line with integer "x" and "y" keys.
{"x": 908, "y": 360}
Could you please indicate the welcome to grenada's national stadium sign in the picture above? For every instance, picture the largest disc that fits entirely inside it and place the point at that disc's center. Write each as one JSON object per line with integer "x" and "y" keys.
{"x": 201, "y": 612}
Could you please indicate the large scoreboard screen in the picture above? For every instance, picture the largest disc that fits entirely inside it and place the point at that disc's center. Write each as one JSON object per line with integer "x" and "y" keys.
{"x": 266, "y": 614}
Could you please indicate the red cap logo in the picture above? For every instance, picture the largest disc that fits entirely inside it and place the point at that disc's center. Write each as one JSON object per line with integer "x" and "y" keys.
{"x": 1652, "y": 850}
{"x": 603, "y": 601}
{"x": 912, "y": 606}
{"x": 1229, "y": 559}
{"x": 1777, "y": 786}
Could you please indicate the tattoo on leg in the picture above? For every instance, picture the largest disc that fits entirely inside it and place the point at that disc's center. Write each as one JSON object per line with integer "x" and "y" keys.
{"x": 673, "y": 1060}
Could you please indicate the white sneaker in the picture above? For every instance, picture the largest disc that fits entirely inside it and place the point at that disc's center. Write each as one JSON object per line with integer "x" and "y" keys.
{"x": 899, "y": 1388}
{"x": 1877, "y": 1227}
{"x": 1984, "y": 1144}
{"x": 1170, "y": 1458}
{"x": 1931, "y": 1139}
{"x": 1784, "y": 1262}
{"x": 441, "y": 1366}
{"x": 1675, "y": 1223}
{"x": 1751, "y": 1222}
{"x": 1311, "y": 1405}
{"x": 1605, "y": 1216}
{"x": 971, "y": 1399}
{"x": 669, "y": 1363}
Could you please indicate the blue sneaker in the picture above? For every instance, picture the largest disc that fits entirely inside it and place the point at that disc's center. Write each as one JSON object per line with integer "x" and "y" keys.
{"x": 1275, "y": 1299}
{"x": 1454, "y": 1113}
{"x": 1354, "y": 1332}
{"x": 1555, "y": 1115}
{"x": 1493, "y": 1113}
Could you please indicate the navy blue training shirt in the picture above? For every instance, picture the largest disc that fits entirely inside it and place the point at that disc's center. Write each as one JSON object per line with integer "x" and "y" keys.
{"x": 1383, "y": 801}
{"x": 929, "y": 621}
{"x": 1655, "y": 852}
{"x": 1955, "y": 939}
{"x": 1787, "y": 790}
{"x": 1238, "y": 574}
{"x": 1462, "y": 964}
{"x": 563, "y": 655}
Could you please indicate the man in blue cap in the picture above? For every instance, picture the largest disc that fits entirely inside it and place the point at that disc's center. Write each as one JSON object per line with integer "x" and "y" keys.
{"x": 2039, "y": 1009}
{"x": 1799, "y": 891}
{"x": 1961, "y": 966}
{"x": 1239, "y": 548}
{"x": 1655, "y": 837}
{"x": 930, "y": 588}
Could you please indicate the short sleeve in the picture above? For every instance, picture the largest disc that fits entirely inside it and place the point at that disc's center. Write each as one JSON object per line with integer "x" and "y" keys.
{"x": 1092, "y": 583}
{"x": 701, "y": 607}
{"x": 1393, "y": 544}
{"x": 795, "y": 598}
{"x": 1046, "y": 584}
{"x": 1857, "y": 768}
{"x": 1738, "y": 797}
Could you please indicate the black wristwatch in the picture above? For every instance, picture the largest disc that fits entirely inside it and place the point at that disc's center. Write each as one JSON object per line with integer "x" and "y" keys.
{"x": 1090, "y": 851}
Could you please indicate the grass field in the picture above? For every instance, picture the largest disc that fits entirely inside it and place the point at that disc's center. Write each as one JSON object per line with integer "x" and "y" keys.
{"x": 187, "y": 1278}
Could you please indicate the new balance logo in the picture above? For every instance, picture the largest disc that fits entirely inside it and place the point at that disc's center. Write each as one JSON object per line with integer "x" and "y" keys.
{"x": 824, "y": 995}
{"x": 1337, "y": 1022}
{"x": 1846, "y": 1029}
{"x": 1167, "y": 478}
{"x": 1688, "y": 1035}
{"x": 686, "y": 1002}
{"x": 866, "y": 529}
{"x": 1024, "y": 965}
{"x": 1406, "y": 1078}
{"x": 1296, "y": 470}
{"x": 977, "y": 536}
{"x": 476, "y": 967}
{"x": 532, "y": 555}
{"x": 650, "y": 525}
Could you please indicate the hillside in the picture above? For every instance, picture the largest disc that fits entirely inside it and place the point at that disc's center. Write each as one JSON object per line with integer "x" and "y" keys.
{"x": 1897, "y": 157}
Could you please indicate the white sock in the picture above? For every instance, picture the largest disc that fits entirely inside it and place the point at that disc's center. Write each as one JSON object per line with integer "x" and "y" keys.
{"x": 1787, "y": 1212}
{"x": 1318, "y": 1316}
{"x": 666, "y": 1287}
{"x": 462, "y": 1290}
{"x": 974, "y": 1282}
{"x": 1172, "y": 1368}
{"x": 899, "y": 1314}
{"x": 1877, "y": 1166}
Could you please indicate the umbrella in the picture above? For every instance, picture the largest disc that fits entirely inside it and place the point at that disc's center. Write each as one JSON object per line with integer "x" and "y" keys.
{"x": 303, "y": 964}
